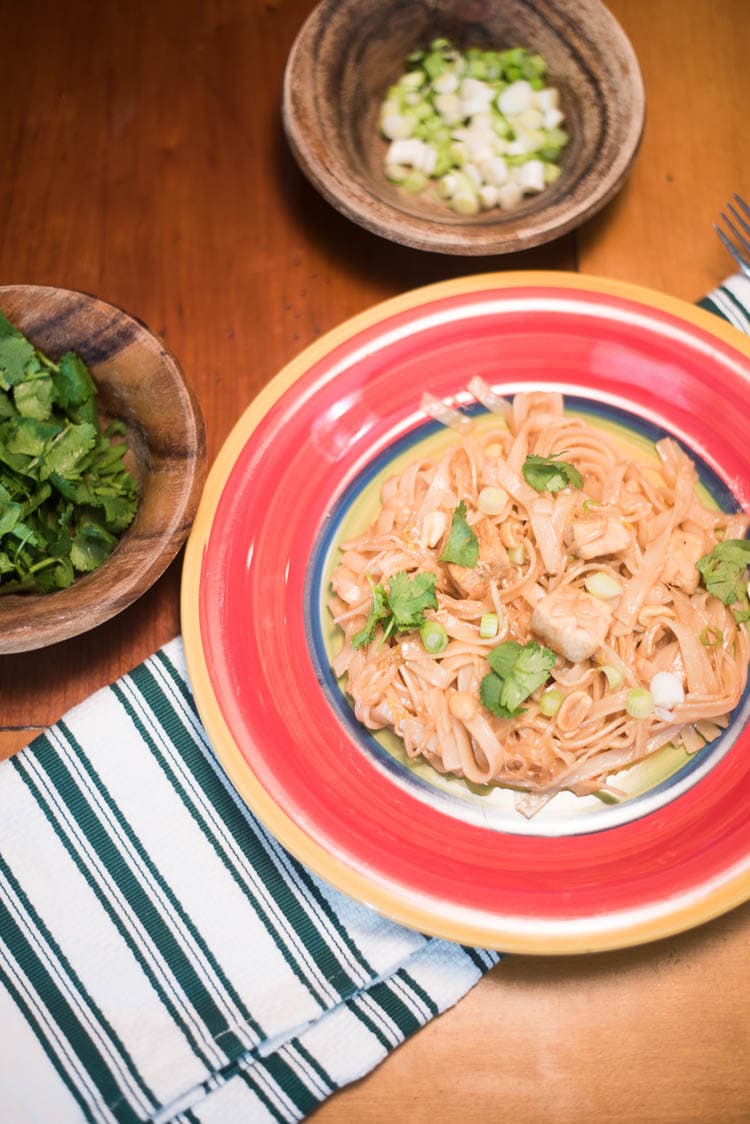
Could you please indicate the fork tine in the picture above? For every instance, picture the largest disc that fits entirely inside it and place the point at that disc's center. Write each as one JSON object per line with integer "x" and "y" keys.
{"x": 743, "y": 222}
{"x": 733, "y": 251}
{"x": 732, "y": 237}
{"x": 737, "y": 235}
{"x": 742, "y": 204}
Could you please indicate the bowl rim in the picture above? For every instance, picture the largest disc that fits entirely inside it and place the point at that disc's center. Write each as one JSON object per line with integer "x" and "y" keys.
{"x": 355, "y": 202}
{"x": 125, "y": 575}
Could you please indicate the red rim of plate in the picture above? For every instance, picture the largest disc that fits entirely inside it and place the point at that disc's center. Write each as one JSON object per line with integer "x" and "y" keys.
{"x": 317, "y": 425}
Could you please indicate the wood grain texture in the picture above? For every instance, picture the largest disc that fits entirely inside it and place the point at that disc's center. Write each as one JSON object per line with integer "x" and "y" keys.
{"x": 350, "y": 51}
{"x": 658, "y": 232}
{"x": 147, "y": 164}
{"x": 140, "y": 384}
{"x": 150, "y": 167}
{"x": 653, "y": 1034}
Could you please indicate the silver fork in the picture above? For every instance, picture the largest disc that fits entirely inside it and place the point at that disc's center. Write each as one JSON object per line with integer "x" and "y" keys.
{"x": 739, "y": 248}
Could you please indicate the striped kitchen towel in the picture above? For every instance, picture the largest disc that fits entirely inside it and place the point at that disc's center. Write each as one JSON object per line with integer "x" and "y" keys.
{"x": 731, "y": 300}
{"x": 163, "y": 958}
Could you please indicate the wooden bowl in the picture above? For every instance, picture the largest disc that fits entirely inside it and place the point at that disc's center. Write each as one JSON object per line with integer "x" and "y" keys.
{"x": 140, "y": 382}
{"x": 347, "y": 54}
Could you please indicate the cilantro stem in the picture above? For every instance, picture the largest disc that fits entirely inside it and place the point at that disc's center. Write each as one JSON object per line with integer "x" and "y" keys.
{"x": 47, "y": 362}
{"x": 45, "y": 562}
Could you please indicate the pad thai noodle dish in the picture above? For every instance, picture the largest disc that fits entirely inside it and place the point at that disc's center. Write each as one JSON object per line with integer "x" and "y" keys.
{"x": 532, "y": 607}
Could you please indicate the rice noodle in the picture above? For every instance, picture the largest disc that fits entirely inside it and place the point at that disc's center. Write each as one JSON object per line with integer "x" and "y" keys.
{"x": 432, "y": 700}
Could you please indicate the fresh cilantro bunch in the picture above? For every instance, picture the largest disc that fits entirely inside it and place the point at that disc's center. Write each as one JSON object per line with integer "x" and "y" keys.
{"x": 724, "y": 574}
{"x": 517, "y": 671}
{"x": 400, "y": 608}
{"x": 548, "y": 474}
{"x": 65, "y": 496}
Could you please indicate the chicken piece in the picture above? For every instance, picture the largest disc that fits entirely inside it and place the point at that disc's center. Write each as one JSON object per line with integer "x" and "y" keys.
{"x": 473, "y": 581}
{"x": 685, "y": 548}
{"x": 594, "y": 536}
{"x": 572, "y": 622}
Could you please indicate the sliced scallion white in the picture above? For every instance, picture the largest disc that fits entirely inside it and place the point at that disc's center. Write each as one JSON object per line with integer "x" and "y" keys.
{"x": 491, "y": 500}
{"x": 550, "y": 701}
{"x": 488, "y": 626}
{"x": 639, "y": 703}
{"x": 711, "y": 637}
{"x": 615, "y": 676}
{"x": 434, "y": 637}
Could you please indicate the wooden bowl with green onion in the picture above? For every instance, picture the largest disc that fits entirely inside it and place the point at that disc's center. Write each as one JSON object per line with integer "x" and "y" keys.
{"x": 349, "y": 54}
{"x": 97, "y": 493}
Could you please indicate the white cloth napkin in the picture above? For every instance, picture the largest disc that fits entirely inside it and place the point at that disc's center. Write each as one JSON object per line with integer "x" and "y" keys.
{"x": 162, "y": 958}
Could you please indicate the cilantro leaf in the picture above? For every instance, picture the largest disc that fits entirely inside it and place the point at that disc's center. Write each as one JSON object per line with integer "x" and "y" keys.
{"x": 517, "y": 671}
{"x": 33, "y": 399}
{"x": 379, "y": 611}
{"x": 16, "y": 354}
{"x": 65, "y": 493}
{"x": 28, "y": 436}
{"x": 461, "y": 546}
{"x": 490, "y": 692}
{"x": 548, "y": 474}
{"x": 91, "y": 545}
{"x": 6, "y": 328}
{"x": 7, "y": 409}
{"x": 10, "y": 514}
{"x": 73, "y": 383}
{"x": 63, "y": 455}
{"x": 399, "y": 608}
{"x": 409, "y": 597}
{"x": 119, "y": 511}
{"x": 724, "y": 574}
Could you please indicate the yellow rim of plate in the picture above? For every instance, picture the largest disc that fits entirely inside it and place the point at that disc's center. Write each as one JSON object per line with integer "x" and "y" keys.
{"x": 542, "y": 936}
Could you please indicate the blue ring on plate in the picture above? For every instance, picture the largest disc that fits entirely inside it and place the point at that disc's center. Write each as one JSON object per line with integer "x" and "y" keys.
{"x": 473, "y": 807}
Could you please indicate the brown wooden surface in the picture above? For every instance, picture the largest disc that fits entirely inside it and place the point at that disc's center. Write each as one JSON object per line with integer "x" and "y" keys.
{"x": 144, "y": 162}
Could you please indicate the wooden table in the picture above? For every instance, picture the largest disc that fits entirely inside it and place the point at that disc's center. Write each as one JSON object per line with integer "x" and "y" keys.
{"x": 145, "y": 162}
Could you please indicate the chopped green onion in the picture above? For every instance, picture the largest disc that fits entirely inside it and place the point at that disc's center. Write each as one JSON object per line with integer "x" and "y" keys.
{"x": 396, "y": 173}
{"x": 639, "y": 703}
{"x": 711, "y": 637}
{"x": 488, "y": 626}
{"x": 487, "y": 111}
{"x": 491, "y": 501}
{"x": 551, "y": 701}
{"x": 602, "y": 585}
{"x": 517, "y": 555}
{"x": 415, "y": 182}
{"x": 465, "y": 201}
{"x": 615, "y": 676}
{"x": 412, "y": 80}
{"x": 434, "y": 637}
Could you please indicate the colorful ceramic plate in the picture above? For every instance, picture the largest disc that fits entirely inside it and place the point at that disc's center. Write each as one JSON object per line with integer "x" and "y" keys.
{"x": 302, "y": 466}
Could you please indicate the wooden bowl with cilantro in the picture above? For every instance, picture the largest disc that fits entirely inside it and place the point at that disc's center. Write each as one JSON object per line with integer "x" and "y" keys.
{"x": 102, "y": 460}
